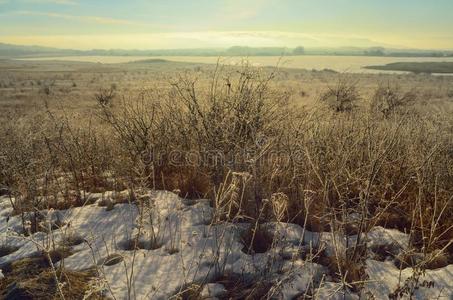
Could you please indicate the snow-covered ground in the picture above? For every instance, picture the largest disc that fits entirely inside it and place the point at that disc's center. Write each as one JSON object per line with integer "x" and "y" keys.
{"x": 179, "y": 247}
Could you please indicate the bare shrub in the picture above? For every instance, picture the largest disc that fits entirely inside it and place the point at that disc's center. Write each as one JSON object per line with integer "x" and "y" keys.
{"x": 450, "y": 94}
{"x": 342, "y": 97}
{"x": 236, "y": 121}
{"x": 137, "y": 125}
{"x": 389, "y": 100}
{"x": 105, "y": 96}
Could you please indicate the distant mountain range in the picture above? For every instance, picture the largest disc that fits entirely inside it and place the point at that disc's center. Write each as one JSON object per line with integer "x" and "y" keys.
{"x": 12, "y": 51}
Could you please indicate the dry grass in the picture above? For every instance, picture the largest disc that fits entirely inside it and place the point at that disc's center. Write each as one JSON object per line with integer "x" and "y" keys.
{"x": 382, "y": 154}
{"x": 240, "y": 289}
{"x": 32, "y": 278}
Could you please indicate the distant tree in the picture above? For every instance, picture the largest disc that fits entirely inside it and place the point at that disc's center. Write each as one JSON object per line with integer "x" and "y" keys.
{"x": 299, "y": 50}
{"x": 374, "y": 52}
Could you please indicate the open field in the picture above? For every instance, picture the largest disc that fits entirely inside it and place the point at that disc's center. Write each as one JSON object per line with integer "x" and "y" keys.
{"x": 186, "y": 180}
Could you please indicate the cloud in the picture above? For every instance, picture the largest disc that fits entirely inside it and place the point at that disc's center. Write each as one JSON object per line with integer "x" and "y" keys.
{"x": 241, "y": 10}
{"x": 89, "y": 19}
{"x": 199, "y": 39}
{"x": 61, "y": 2}
{"x": 269, "y": 39}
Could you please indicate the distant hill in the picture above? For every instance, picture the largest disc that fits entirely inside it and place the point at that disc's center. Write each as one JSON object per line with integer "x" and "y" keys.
{"x": 8, "y": 50}
{"x": 12, "y": 51}
{"x": 150, "y": 61}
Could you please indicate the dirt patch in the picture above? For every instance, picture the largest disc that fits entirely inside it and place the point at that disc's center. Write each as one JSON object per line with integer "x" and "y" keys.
{"x": 257, "y": 240}
{"x": 111, "y": 260}
{"x": 134, "y": 244}
{"x": 7, "y": 250}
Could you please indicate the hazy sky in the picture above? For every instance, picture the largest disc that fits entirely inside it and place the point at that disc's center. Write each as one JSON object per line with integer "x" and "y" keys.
{"x": 156, "y": 24}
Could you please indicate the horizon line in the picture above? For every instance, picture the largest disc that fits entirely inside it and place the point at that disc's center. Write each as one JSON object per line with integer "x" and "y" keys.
{"x": 234, "y": 46}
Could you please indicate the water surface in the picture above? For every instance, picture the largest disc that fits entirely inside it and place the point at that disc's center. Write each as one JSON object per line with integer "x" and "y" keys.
{"x": 354, "y": 64}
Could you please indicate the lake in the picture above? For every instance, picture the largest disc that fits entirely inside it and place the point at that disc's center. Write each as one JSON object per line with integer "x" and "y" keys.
{"x": 338, "y": 63}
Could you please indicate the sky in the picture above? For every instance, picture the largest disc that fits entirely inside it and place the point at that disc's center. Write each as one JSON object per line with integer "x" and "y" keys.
{"x": 176, "y": 24}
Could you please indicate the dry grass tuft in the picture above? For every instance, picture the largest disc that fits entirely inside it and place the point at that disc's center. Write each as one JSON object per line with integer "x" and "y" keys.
{"x": 32, "y": 278}
{"x": 238, "y": 288}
